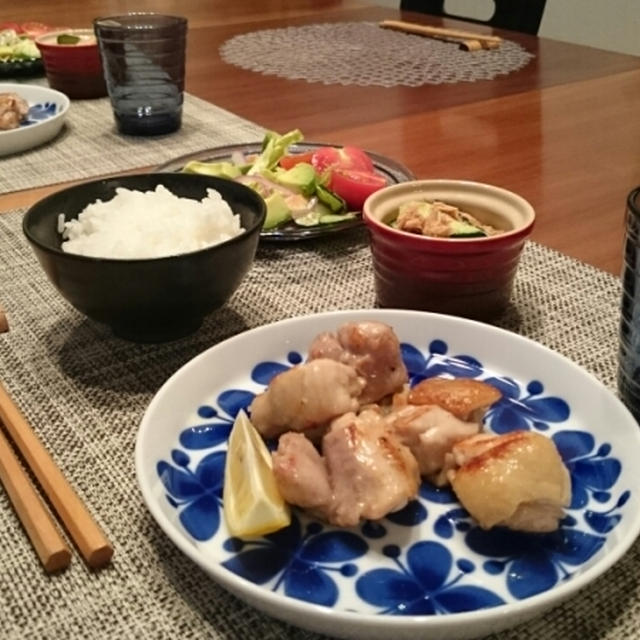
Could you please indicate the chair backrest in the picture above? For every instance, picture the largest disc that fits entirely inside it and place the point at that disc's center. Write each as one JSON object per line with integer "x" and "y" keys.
{"x": 517, "y": 15}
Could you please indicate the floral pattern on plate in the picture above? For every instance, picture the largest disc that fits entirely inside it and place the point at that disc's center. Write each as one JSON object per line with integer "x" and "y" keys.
{"x": 429, "y": 558}
{"x": 39, "y": 112}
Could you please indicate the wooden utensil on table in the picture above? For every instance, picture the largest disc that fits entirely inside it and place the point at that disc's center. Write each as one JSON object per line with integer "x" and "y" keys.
{"x": 39, "y": 525}
{"x": 85, "y": 532}
{"x": 4, "y": 323}
{"x": 467, "y": 39}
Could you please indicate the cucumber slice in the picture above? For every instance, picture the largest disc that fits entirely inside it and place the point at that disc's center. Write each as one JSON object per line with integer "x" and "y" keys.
{"x": 67, "y": 38}
{"x": 331, "y": 218}
{"x": 335, "y": 203}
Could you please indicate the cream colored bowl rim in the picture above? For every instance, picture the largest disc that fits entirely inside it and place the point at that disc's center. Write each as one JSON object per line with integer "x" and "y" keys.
{"x": 462, "y": 193}
{"x": 45, "y": 38}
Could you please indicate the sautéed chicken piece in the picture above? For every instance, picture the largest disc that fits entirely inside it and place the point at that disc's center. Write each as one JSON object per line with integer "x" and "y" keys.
{"x": 517, "y": 480}
{"x": 306, "y": 397}
{"x": 13, "y": 110}
{"x": 430, "y": 432}
{"x": 372, "y": 472}
{"x": 372, "y": 349}
{"x": 369, "y": 471}
{"x": 347, "y": 454}
{"x": 301, "y": 473}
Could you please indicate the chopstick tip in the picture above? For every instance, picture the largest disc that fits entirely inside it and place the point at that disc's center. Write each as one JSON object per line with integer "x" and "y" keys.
{"x": 4, "y": 323}
{"x": 58, "y": 561}
{"x": 100, "y": 557}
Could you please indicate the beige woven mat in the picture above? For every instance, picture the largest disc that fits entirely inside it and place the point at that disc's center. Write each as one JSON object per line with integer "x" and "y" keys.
{"x": 85, "y": 393}
{"x": 364, "y": 54}
{"x": 89, "y": 145}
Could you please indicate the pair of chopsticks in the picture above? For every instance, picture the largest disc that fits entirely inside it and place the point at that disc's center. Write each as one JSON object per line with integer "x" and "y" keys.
{"x": 38, "y": 523}
{"x": 468, "y": 40}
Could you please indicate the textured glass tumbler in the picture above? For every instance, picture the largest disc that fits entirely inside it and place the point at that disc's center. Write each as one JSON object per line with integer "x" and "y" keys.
{"x": 629, "y": 349}
{"x": 143, "y": 58}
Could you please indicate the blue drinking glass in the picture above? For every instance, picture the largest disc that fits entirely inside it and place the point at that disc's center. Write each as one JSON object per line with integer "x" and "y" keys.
{"x": 143, "y": 58}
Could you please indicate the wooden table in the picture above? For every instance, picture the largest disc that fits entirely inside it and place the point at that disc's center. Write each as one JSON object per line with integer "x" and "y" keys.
{"x": 563, "y": 132}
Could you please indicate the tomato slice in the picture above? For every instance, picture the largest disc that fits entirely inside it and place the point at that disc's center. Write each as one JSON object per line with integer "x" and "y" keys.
{"x": 355, "y": 186}
{"x": 35, "y": 29}
{"x": 10, "y": 25}
{"x": 347, "y": 157}
{"x": 291, "y": 160}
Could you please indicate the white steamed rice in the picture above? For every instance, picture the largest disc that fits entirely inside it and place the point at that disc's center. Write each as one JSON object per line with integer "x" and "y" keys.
{"x": 149, "y": 224}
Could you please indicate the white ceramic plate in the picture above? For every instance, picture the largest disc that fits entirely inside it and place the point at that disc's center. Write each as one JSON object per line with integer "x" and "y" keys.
{"x": 47, "y": 111}
{"x": 427, "y": 571}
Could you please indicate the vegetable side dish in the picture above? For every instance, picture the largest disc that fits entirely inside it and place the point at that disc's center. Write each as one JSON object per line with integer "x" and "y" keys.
{"x": 440, "y": 220}
{"x": 16, "y": 47}
{"x": 13, "y": 110}
{"x": 354, "y": 441}
{"x": 17, "y": 41}
{"x": 322, "y": 186}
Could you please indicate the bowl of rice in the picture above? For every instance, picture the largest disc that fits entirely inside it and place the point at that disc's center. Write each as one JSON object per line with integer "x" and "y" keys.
{"x": 150, "y": 255}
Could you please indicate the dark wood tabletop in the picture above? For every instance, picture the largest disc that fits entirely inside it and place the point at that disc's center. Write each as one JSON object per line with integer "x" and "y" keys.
{"x": 563, "y": 131}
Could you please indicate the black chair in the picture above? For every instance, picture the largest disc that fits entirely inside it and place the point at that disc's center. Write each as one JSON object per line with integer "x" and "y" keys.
{"x": 516, "y": 15}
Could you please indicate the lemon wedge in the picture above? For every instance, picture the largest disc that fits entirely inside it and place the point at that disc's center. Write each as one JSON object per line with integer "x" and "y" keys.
{"x": 253, "y": 505}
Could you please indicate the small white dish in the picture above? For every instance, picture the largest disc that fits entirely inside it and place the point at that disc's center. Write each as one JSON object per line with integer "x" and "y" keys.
{"x": 427, "y": 571}
{"x": 47, "y": 112}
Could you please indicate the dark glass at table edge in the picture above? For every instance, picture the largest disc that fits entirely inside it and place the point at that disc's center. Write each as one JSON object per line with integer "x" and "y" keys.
{"x": 628, "y": 379}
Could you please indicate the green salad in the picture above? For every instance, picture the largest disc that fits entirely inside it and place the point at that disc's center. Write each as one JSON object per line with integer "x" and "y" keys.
{"x": 321, "y": 186}
{"x": 14, "y": 47}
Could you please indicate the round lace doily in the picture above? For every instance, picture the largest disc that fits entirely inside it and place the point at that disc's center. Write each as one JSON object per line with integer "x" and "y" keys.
{"x": 364, "y": 54}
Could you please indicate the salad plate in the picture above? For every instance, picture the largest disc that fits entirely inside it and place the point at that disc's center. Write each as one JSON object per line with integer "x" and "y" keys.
{"x": 19, "y": 56}
{"x": 427, "y": 570}
{"x": 21, "y": 68}
{"x": 392, "y": 171}
{"x": 47, "y": 112}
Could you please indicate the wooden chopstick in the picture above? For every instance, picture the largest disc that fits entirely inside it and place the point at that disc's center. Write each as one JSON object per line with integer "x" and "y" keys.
{"x": 4, "y": 323}
{"x": 85, "y": 532}
{"x": 39, "y": 525}
{"x": 438, "y": 32}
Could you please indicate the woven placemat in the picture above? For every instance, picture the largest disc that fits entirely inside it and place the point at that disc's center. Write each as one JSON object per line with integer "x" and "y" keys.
{"x": 85, "y": 392}
{"x": 89, "y": 145}
{"x": 364, "y": 54}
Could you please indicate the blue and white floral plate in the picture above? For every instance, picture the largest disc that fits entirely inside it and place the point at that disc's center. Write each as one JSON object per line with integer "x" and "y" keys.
{"x": 47, "y": 112}
{"x": 427, "y": 571}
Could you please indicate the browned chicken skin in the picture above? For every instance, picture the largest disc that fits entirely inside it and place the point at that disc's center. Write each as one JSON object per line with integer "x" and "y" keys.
{"x": 465, "y": 398}
{"x": 372, "y": 349}
{"x": 516, "y": 480}
{"x": 13, "y": 110}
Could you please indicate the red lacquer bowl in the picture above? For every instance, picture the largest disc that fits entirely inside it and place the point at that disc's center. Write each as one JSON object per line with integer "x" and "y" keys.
{"x": 471, "y": 277}
{"x": 73, "y": 69}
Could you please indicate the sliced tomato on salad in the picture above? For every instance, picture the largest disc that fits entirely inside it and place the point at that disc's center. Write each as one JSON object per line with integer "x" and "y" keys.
{"x": 35, "y": 29}
{"x": 326, "y": 185}
{"x": 326, "y": 158}
{"x": 354, "y": 186}
{"x": 291, "y": 160}
{"x": 14, "y": 26}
